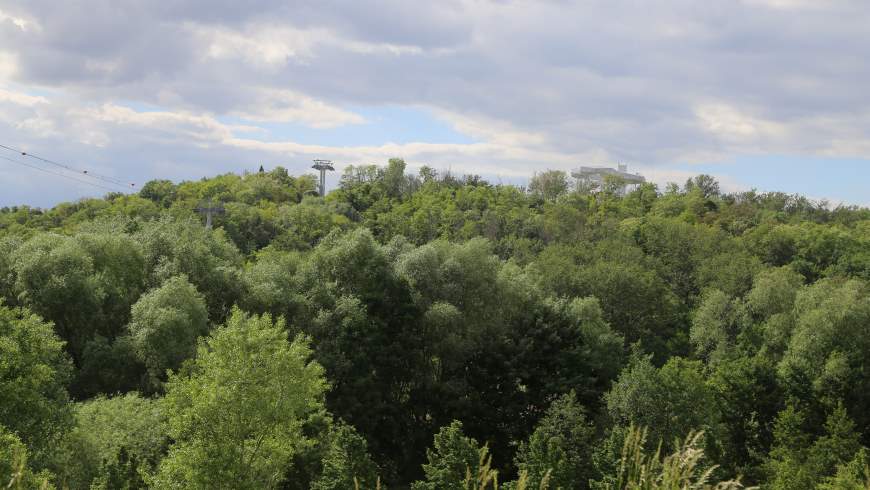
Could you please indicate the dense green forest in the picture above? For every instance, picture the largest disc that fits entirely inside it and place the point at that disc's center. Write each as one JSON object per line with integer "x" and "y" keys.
{"x": 434, "y": 331}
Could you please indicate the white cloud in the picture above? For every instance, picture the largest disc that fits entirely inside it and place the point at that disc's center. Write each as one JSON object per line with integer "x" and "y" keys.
{"x": 489, "y": 129}
{"x": 21, "y": 99}
{"x": 8, "y": 66}
{"x": 730, "y": 123}
{"x": 264, "y": 45}
{"x": 550, "y": 84}
{"x": 290, "y": 106}
{"x": 21, "y": 23}
{"x": 274, "y": 46}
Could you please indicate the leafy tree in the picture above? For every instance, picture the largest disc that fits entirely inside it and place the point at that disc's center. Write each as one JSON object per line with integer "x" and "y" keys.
{"x": 705, "y": 184}
{"x": 160, "y": 191}
{"x": 165, "y": 324}
{"x": 55, "y": 277}
{"x": 558, "y": 451}
{"x": 749, "y": 396}
{"x": 774, "y": 292}
{"x": 84, "y": 284}
{"x": 346, "y": 463}
{"x": 206, "y": 257}
{"x": 112, "y": 439}
{"x": 829, "y": 351}
{"x": 452, "y": 458}
{"x": 729, "y": 272}
{"x": 717, "y": 323}
{"x": 798, "y": 461}
{"x": 123, "y": 474}
{"x": 672, "y": 400}
{"x": 549, "y": 185}
{"x": 236, "y": 413}
{"x": 394, "y": 177}
{"x": 108, "y": 367}
{"x": 272, "y": 284}
{"x": 7, "y": 275}
{"x": 34, "y": 372}
{"x": 366, "y": 337}
{"x": 636, "y": 302}
{"x": 14, "y": 470}
{"x": 854, "y": 475}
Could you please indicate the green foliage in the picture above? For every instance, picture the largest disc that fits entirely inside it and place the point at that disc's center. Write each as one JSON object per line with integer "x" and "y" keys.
{"x": 672, "y": 400}
{"x": 161, "y": 192}
{"x": 549, "y": 185}
{"x": 854, "y": 475}
{"x": 55, "y": 276}
{"x": 111, "y": 438}
{"x": 798, "y": 460}
{"x": 236, "y": 413}
{"x": 14, "y": 470}
{"x": 829, "y": 350}
{"x": 207, "y": 258}
{"x": 346, "y": 463}
{"x": 683, "y": 469}
{"x": 431, "y": 298}
{"x": 454, "y": 456}
{"x": 164, "y": 326}
{"x": 749, "y": 396}
{"x": 123, "y": 474}
{"x": 717, "y": 323}
{"x": 34, "y": 372}
{"x": 558, "y": 451}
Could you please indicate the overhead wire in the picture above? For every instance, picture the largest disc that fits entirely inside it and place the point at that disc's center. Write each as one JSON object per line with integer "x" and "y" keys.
{"x": 87, "y": 173}
{"x": 57, "y": 173}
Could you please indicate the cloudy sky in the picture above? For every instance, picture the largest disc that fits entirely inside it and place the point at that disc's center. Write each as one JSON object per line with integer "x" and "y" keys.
{"x": 767, "y": 94}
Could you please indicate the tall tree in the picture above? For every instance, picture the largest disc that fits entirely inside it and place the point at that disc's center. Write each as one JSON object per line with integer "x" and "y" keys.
{"x": 236, "y": 414}
{"x": 559, "y": 450}
{"x": 165, "y": 325}
{"x": 34, "y": 372}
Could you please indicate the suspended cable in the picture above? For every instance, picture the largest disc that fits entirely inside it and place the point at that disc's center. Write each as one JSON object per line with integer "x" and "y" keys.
{"x": 104, "y": 178}
{"x": 57, "y": 173}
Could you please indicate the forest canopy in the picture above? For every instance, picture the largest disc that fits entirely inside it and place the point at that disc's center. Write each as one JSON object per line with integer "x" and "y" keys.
{"x": 434, "y": 331}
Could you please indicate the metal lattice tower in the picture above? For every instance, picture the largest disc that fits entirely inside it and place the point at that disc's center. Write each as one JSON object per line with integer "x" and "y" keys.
{"x": 208, "y": 210}
{"x": 323, "y": 166}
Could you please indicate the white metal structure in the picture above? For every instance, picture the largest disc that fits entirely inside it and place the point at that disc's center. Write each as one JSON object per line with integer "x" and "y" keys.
{"x": 595, "y": 176}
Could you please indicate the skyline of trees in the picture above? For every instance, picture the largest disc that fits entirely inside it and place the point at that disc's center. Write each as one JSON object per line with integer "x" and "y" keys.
{"x": 416, "y": 331}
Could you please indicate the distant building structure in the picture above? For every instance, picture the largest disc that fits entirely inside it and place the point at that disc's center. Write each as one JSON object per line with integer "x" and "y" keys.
{"x": 595, "y": 177}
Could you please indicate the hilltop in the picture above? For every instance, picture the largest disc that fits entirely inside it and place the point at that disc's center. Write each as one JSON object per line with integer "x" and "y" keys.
{"x": 403, "y": 325}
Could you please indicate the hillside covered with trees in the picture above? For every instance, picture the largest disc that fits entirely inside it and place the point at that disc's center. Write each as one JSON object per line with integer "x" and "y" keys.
{"x": 431, "y": 331}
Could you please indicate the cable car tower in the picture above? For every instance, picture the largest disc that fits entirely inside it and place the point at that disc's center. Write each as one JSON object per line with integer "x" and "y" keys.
{"x": 208, "y": 210}
{"x": 323, "y": 166}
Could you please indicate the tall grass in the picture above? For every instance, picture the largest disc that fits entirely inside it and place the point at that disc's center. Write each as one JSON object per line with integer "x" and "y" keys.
{"x": 682, "y": 470}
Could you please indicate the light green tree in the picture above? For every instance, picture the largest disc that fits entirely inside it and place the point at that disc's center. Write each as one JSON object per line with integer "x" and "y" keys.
{"x": 236, "y": 412}
{"x": 798, "y": 461}
{"x": 14, "y": 470}
{"x": 346, "y": 462}
{"x": 453, "y": 457}
{"x": 106, "y": 431}
{"x": 549, "y": 185}
{"x": 34, "y": 372}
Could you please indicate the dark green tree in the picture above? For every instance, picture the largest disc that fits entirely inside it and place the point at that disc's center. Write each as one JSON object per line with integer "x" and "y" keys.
{"x": 560, "y": 448}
